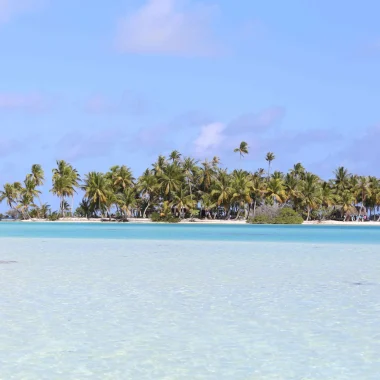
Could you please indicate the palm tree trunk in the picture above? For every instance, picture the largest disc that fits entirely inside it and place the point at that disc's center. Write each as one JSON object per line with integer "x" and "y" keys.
{"x": 254, "y": 208}
{"x": 308, "y": 213}
{"x": 144, "y": 213}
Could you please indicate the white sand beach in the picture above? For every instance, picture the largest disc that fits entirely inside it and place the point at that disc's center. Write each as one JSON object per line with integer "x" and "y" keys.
{"x": 198, "y": 221}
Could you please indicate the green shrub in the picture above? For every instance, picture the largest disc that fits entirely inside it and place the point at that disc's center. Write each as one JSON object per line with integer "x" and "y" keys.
{"x": 284, "y": 216}
{"x": 53, "y": 216}
{"x": 260, "y": 219}
{"x": 169, "y": 218}
{"x": 288, "y": 216}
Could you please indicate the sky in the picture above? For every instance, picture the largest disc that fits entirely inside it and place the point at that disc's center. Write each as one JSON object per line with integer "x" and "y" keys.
{"x": 100, "y": 83}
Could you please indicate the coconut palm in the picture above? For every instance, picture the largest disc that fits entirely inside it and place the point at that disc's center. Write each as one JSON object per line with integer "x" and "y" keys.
{"x": 182, "y": 200}
{"x": 127, "y": 200}
{"x": 10, "y": 194}
{"x": 148, "y": 186}
{"x": 311, "y": 193}
{"x": 222, "y": 191}
{"x": 242, "y": 149}
{"x": 65, "y": 181}
{"x": 121, "y": 177}
{"x": 258, "y": 189}
{"x": 241, "y": 187}
{"x": 170, "y": 179}
{"x": 342, "y": 180}
{"x": 270, "y": 157}
{"x": 275, "y": 191}
{"x": 98, "y": 190}
{"x": 175, "y": 156}
{"x": 159, "y": 165}
{"x": 207, "y": 203}
{"x": 189, "y": 167}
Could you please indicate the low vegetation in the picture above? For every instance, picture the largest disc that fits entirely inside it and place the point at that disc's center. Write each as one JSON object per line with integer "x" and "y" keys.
{"x": 283, "y": 216}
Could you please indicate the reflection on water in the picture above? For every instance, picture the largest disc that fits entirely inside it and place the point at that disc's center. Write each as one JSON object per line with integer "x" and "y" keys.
{"x": 133, "y": 309}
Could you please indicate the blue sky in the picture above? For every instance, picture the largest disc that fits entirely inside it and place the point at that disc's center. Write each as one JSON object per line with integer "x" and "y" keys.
{"x": 101, "y": 83}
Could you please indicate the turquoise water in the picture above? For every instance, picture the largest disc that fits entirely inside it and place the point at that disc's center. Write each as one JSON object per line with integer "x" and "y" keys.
{"x": 195, "y": 232}
{"x": 187, "y": 302}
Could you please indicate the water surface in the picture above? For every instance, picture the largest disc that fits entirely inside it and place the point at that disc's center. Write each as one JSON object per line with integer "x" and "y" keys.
{"x": 195, "y": 232}
{"x": 184, "y": 302}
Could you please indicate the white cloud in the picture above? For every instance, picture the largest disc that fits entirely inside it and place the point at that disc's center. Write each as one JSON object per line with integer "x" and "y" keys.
{"x": 165, "y": 27}
{"x": 9, "y": 8}
{"x": 210, "y": 138}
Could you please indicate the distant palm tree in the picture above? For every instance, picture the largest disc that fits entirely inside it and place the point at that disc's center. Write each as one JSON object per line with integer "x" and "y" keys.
{"x": 241, "y": 186}
{"x": 98, "y": 190}
{"x": 170, "y": 179}
{"x": 215, "y": 161}
{"x": 222, "y": 191}
{"x": 311, "y": 193}
{"x": 121, "y": 177}
{"x": 159, "y": 165}
{"x": 10, "y": 194}
{"x": 126, "y": 200}
{"x": 175, "y": 156}
{"x": 270, "y": 157}
{"x": 242, "y": 149}
{"x": 182, "y": 200}
{"x": 275, "y": 190}
{"x": 65, "y": 181}
{"x": 148, "y": 186}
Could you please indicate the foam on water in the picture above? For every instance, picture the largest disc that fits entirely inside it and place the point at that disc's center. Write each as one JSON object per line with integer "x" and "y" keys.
{"x": 135, "y": 309}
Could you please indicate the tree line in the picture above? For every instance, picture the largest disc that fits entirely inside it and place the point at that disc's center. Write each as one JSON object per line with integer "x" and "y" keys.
{"x": 183, "y": 187}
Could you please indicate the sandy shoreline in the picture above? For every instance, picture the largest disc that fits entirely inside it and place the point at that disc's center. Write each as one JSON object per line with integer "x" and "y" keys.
{"x": 198, "y": 221}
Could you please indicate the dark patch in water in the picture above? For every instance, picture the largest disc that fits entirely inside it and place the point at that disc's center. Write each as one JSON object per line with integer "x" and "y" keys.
{"x": 362, "y": 283}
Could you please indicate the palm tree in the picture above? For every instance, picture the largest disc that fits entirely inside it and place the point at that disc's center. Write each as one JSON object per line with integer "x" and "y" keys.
{"x": 98, "y": 190}
{"x": 85, "y": 208}
{"x": 159, "y": 165}
{"x": 175, "y": 156}
{"x": 222, "y": 191}
{"x": 182, "y": 200}
{"x": 148, "y": 186}
{"x": 269, "y": 158}
{"x": 311, "y": 193}
{"x": 10, "y": 193}
{"x": 364, "y": 190}
{"x": 241, "y": 186}
{"x": 242, "y": 149}
{"x": 342, "y": 178}
{"x": 38, "y": 177}
{"x": 275, "y": 190}
{"x": 258, "y": 189}
{"x": 121, "y": 177}
{"x": 126, "y": 200}
{"x": 207, "y": 203}
{"x": 65, "y": 181}
{"x": 170, "y": 179}
{"x": 189, "y": 167}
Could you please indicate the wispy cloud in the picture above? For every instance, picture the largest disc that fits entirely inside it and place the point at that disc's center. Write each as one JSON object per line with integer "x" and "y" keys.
{"x": 210, "y": 139}
{"x": 23, "y": 102}
{"x": 132, "y": 103}
{"x": 10, "y": 8}
{"x": 79, "y": 145}
{"x": 257, "y": 122}
{"x": 168, "y": 27}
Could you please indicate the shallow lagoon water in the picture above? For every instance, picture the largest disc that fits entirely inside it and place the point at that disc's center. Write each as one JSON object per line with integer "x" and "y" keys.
{"x": 195, "y": 232}
{"x": 75, "y": 308}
